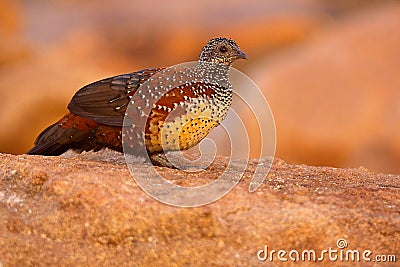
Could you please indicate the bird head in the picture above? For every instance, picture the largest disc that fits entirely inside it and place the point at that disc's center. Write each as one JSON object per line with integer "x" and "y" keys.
{"x": 221, "y": 51}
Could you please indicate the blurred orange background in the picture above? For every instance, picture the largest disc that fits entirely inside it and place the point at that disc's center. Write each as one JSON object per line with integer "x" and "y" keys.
{"x": 329, "y": 69}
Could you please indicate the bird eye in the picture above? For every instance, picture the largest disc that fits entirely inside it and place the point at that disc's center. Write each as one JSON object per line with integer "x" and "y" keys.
{"x": 223, "y": 49}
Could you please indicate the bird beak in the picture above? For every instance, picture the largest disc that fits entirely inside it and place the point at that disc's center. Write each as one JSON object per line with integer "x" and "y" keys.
{"x": 242, "y": 55}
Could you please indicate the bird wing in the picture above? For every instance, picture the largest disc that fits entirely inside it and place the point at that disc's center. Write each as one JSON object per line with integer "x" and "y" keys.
{"x": 105, "y": 101}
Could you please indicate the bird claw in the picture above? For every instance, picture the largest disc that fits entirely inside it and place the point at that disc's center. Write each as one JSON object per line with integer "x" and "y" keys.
{"x": 161, "y": 161}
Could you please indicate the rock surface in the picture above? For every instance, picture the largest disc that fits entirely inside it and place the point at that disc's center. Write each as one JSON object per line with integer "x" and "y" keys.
{"x": 88, "y": 211}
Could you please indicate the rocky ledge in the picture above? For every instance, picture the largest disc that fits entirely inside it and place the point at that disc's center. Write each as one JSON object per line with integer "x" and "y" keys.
{"x": 88, "y": 211}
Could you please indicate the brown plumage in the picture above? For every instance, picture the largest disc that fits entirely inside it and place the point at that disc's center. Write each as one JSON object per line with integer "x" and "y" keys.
{"x": 96, "y": 111}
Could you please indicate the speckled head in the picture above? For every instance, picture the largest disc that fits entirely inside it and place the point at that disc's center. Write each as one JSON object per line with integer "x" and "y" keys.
{"x": 221, "y": 51}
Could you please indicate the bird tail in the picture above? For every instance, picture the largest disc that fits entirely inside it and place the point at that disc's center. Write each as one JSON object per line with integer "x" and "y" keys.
{"x": 55, "y": 140}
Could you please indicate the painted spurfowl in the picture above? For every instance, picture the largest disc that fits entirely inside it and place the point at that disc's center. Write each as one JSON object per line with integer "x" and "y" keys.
{"x": 178, "y": 118}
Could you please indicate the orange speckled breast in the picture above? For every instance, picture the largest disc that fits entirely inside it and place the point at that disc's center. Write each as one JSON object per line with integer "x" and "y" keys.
{"x": 184, "y": 125}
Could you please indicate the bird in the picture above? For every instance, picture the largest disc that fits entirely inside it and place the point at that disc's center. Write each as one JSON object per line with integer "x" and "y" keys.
{"x": 177, "y": 119}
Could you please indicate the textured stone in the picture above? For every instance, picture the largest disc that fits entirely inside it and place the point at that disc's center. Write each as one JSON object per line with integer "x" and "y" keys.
{"x": 78, "y": 211}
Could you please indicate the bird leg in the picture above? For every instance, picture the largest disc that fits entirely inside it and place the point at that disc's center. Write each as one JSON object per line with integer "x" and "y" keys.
{"x": 161, "y": 161}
